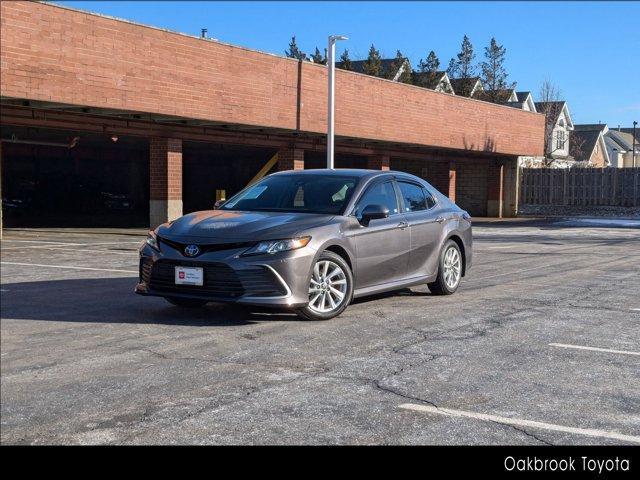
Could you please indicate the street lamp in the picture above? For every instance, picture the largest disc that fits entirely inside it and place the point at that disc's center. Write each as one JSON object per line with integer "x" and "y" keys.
{"x": 633, "y": 155}
{"x": 331, "y": 65}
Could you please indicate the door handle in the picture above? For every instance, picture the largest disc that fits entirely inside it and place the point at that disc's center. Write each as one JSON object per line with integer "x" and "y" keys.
{"x": 403, "y": 225}
{"x": 439, "y": 219}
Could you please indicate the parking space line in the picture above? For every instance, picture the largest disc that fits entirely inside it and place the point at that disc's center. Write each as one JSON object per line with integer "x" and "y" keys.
{"x": 47, "y": 245}
{"x": 595, "y": 349}
{"x": 69, "y": 267}
{"x": 68, "y": 244}
{"x": 31, "y": 241}
{"x": 518, "y": 422}
{"x": 68, "y": 248}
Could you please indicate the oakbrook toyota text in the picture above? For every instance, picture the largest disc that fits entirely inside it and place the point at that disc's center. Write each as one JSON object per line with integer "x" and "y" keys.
{"x": 568, "y": 464}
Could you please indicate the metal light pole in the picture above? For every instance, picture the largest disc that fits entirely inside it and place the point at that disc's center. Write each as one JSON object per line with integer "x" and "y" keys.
{"x": 633, "y": 154}
{"x": 331, "y": 65}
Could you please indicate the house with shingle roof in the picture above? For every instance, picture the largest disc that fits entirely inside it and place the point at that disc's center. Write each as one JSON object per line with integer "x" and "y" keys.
{"x": 619, "y": 144}
{"x": 388, "y": 67}
{"x": 524, "y": 101}
{"x": 438, "y": 81}
{"x": 502, "y": 96}
{"x": 466, "y": 87}
{"x": 587, "y": 145}
{"x": 559, "y": 128}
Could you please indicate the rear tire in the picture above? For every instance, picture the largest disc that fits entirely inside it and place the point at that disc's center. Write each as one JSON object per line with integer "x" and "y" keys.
{"x": 330, "y": 288}
{"x": 449, "y": 270}
{"x": 186, "y": 302}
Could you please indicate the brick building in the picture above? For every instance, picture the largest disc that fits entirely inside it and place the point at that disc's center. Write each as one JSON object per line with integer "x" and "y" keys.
{"x": 143, "y": 124}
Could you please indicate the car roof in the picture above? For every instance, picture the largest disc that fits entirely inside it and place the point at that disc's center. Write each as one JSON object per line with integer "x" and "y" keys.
{"x": 353, "y": 172}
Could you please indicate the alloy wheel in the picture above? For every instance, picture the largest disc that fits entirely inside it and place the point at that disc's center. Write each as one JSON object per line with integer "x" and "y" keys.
{"x": 328, "y": 287}
{"x": 452, "y": 267}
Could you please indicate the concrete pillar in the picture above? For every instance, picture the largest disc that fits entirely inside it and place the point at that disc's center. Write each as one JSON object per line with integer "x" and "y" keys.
{"x": 378, "y": 162}
{"x": 165, "y": 177}
{"x": 0, "y": 190}
{"x": 290, "y": 159}
{"x": 511, "y": 188}
{"x": 495, "y": 189}
{"x": 452, "y": 180}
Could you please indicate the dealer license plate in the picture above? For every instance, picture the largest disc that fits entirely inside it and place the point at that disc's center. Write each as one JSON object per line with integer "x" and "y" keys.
{"x": 189, "y": 276}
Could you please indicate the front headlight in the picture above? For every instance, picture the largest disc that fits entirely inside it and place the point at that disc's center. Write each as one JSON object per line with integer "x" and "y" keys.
{"x": 152, "y": 240}
{"x": 274, "y": 246}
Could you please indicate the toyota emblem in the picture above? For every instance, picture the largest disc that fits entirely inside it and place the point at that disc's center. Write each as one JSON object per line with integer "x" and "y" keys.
{"x": 191, "y": 250}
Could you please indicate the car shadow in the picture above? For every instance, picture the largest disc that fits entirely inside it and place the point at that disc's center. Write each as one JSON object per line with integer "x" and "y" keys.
{"x": 112, "y": 300}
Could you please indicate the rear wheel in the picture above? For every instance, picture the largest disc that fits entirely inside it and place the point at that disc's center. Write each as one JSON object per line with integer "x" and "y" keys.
{"x": 186, "y": 302}
{"x": 449, "y": 270}
{"x": 330, "y": 288}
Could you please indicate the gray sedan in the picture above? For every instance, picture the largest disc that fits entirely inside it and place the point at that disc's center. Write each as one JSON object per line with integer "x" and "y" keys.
{"x": 311, "y": 241}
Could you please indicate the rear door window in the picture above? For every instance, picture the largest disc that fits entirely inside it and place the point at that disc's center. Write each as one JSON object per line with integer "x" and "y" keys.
{"x": 431, "y": 200}
{"x": 413, "y": 197}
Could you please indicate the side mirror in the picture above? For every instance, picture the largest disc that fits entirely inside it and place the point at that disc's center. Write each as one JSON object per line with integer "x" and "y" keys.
{"x": 373, "y": 212}
{"x": 216, "y": 205}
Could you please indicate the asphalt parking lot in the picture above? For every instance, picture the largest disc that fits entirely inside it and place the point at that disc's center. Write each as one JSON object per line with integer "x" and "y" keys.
{"x": 541, "y": 345}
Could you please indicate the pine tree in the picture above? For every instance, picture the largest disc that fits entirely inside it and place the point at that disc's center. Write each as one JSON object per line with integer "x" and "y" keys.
{"x": 462, "y": 66}
{"x": 428, "y": 71}
{"x": 431, "y": 64}
{"x": 294, "y": 51}
{"x": 373, "y": 64}
{"x": 452, "y": 69}
{"x": 494, "y": 76}
{"x": 345, "y": 61}
{"x": 317, "y": 57}
{"x": 400, "y": 62}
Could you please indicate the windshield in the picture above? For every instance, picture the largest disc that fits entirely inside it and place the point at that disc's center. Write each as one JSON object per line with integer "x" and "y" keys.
{"x": 304, "y": 193}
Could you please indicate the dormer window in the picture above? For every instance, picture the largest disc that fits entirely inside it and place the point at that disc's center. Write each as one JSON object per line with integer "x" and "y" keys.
{"x": 560, "y": 140}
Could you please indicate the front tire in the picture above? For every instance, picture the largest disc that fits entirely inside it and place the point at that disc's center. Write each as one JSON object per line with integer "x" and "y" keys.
{"x": 330, "y": 288}
{"x": 186, "y": 302}
{"x": 449, "y": 270}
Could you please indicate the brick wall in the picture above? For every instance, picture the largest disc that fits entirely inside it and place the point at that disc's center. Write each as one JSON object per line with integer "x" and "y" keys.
{"x": 51, "y": 53}
{"x": 378, "y": 162}
{"x": 165, "y": 169}
{"x": 471, "y": 186}
{"x": 290, "y": 159}
{"x": 435, "y": 170}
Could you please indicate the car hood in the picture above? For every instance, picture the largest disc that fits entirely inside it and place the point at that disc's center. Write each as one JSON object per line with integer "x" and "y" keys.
{"x": 235, "y": 225}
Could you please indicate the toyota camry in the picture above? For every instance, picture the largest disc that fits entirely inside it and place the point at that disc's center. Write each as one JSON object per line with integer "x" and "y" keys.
{"x": 311, "y": 241}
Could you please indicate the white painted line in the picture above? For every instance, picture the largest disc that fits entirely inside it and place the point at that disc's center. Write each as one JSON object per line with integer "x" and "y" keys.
{"x": 590, "y": 432}
{"x": 69, "y": 267}
{"x": 69, "y": 249}
{"x": 33, "y": 241}
{"x": 497, "y": 247}
{"x": 595, "y": 349}
{"x": 636, "y": 309}
{"x": 61, "y": 244}
{"x": 49, "y": 245}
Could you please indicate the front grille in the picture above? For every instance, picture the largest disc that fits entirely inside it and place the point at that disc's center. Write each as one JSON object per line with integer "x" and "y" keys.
{"x": 220, "y": 280}
{"x": 260, "y": 282}
{"x": 204, "y": 248}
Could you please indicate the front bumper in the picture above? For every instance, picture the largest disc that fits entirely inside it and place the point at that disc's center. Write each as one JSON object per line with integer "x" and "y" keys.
{"x": 280, "y": 279}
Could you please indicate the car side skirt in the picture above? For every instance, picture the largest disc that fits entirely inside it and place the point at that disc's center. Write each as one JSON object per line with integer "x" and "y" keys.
{"x": 387, "y": 287}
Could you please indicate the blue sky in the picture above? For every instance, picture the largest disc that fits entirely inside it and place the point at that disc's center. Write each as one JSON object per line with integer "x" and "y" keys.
{"x": 586, "y": 48}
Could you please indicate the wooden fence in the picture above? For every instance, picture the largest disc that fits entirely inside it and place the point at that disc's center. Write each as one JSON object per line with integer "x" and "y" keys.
{"x": 580, "y": 186}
